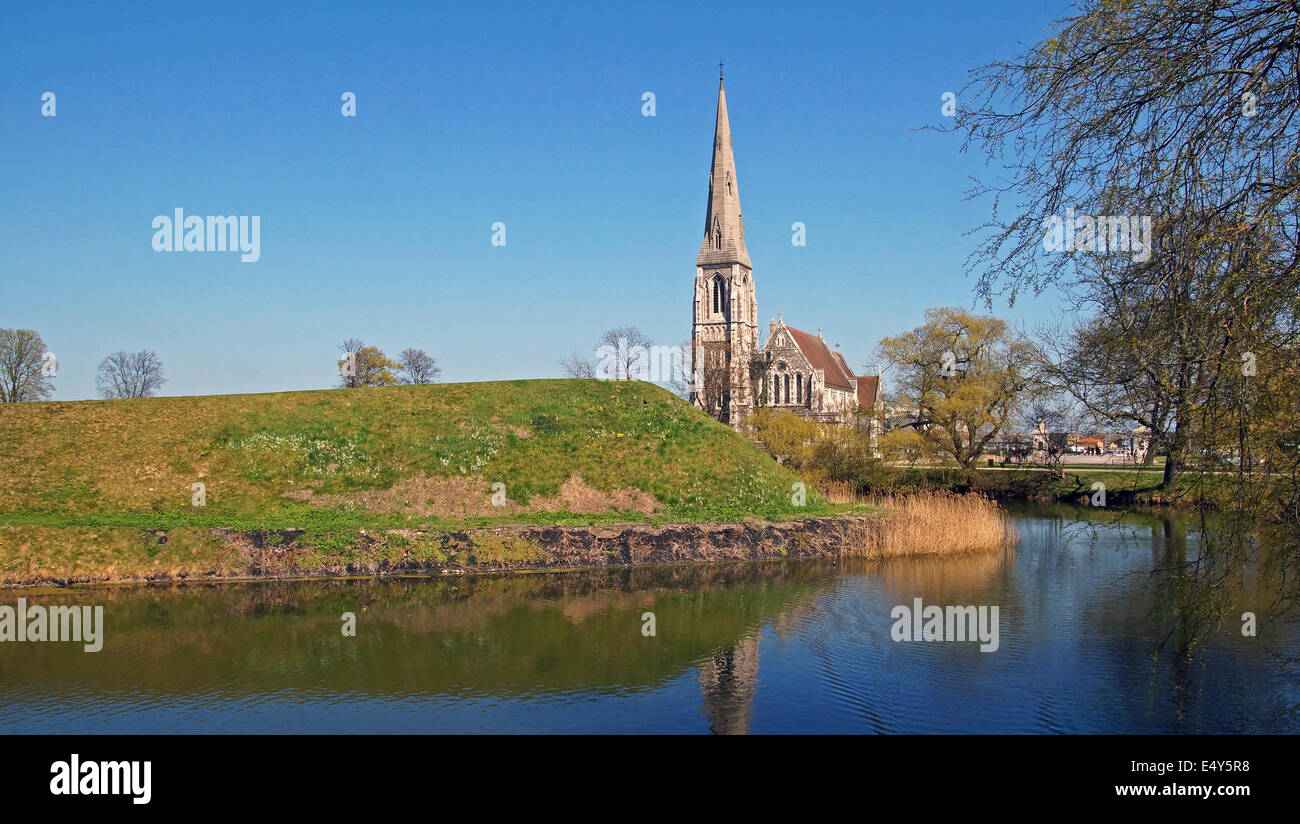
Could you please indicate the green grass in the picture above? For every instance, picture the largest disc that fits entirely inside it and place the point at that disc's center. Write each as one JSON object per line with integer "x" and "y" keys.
{"x": 333, "y": 462}
{"x": 1124, "y": 485}
{"x": 132, "y": 462}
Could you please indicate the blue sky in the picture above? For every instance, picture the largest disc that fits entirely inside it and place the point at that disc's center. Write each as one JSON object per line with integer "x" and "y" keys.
{"x": 378, "y": 226}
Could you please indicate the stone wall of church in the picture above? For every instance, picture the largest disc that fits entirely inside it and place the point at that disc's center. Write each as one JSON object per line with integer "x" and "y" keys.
{"x": 792, "y": 383}
{"x": 840, "y": 402}
{"x": 735, "y": 325}
{"x": 791, "y": 380}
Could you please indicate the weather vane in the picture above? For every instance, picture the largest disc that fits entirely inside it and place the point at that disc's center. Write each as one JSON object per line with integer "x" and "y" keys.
{"x": 719, "y": 69}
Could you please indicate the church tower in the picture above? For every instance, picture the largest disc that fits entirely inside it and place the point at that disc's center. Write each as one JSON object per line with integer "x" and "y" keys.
{"x": 724, "y": 333}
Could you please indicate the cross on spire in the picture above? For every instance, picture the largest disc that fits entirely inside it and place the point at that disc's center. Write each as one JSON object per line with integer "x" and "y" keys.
{"x": 719, "y": 69}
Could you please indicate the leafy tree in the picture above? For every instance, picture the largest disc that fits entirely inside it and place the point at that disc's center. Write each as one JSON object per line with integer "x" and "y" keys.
{"x": 788, "y": 437}
{"x": 130, "y": 375}
{"x": 363, "y": 365}
{"x": 903, "y": 445}
{"x": 817, "y": 451}
{"x": 959, "y": 377}
{"x": 22, "y": 363}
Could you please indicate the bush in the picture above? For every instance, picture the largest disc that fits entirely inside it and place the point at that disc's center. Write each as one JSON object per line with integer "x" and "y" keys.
{"x": 823, "y": 453}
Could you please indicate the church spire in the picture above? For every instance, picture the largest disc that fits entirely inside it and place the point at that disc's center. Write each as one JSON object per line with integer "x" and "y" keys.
{"x": 724, "y": 231}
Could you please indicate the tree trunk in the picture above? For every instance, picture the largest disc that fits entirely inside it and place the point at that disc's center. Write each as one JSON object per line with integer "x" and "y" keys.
{"x": 1176, "y": 458}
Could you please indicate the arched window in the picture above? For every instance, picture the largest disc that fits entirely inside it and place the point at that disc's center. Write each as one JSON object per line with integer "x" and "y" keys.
{"x": 717, "y": 233}
{"x": 798, "y": 388}
{"x": 719, "y": 295}
{"x": 787, "y": 388}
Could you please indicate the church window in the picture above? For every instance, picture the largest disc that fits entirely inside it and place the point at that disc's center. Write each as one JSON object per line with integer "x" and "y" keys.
{"x": 787, "y": 388}
{"x": 798, "y": 388}
{"x": 719, "y": 295}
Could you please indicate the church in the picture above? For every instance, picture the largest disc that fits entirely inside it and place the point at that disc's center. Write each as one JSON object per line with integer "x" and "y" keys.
{"x": 733, "y": 375}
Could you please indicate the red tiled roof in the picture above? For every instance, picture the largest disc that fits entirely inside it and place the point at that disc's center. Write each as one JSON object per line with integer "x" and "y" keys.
{"x": 821, "y": 357}
{"x": 868, "y": 386}
{"x": 842, "y": 363}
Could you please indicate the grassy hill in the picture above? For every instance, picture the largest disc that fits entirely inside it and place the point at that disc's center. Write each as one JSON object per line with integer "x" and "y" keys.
{"x": 102, "y": 490}
{"x": 337, "y": 461}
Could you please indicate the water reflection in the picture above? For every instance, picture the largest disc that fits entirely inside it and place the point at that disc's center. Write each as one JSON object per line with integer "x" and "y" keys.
{"x": 729, "y": 679}
{"x": 1104, "y": 628}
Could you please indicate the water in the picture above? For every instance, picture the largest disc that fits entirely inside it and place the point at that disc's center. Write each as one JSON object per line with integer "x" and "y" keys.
{"x": 1100, "y": 631}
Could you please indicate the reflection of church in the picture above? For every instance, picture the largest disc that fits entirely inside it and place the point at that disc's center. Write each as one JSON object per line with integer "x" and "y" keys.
{"x": 795, "y": 370}
{"x": 728, "y": 681}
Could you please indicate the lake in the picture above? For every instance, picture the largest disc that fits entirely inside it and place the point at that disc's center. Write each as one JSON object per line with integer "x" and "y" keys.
{"x": 1101, "y": 628}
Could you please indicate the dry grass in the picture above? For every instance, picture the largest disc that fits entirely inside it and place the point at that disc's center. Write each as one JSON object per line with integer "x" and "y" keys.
{"x": 840, "y": 492}
{"x": 940, "y": 523}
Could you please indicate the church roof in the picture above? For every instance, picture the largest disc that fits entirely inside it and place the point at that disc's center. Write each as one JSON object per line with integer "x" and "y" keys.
{"x": 842, "y": 364}
{"x": 821, "y": 357}
{"x": 868, "y": 386}
{"x": 724, "y": 230}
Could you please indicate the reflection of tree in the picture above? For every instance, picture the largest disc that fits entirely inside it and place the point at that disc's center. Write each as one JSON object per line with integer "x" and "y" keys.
{"x": 728, "y": 681}
{"x": 504, "y": 635}
{"x": 1206, "y": 570}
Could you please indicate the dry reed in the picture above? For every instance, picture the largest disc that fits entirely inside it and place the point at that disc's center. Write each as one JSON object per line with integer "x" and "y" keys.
{"x": 939, "y": 523}
{"x": 840, "y": 492}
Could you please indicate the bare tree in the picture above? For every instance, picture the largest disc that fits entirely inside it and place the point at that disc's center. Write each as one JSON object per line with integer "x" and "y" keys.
{"x": 760, "y": 367}
{"x": 1051, "y": 420}
{"x": 627, "y": 350}
{"x": 130, "y": 375}
{"x": 1175, "y": 120}
{"x": 22, "y": 366}
{"x": 682, "y": 382}
{"x": 713, "y": 371}
{"x": 351, "y": 349}
{"x": 418, "y": 367}
{"x": 577, "y": 366}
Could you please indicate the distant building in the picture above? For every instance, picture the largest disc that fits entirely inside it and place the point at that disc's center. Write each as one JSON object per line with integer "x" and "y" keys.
{"x": 1089, "y": 446}
{"x": 1139, "y": 443}
{"x": 1045, "y": 445}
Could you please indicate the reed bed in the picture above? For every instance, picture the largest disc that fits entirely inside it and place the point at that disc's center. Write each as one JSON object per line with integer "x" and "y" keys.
{"x": 939, "y": 523}
{"x": 840, "y": 492}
